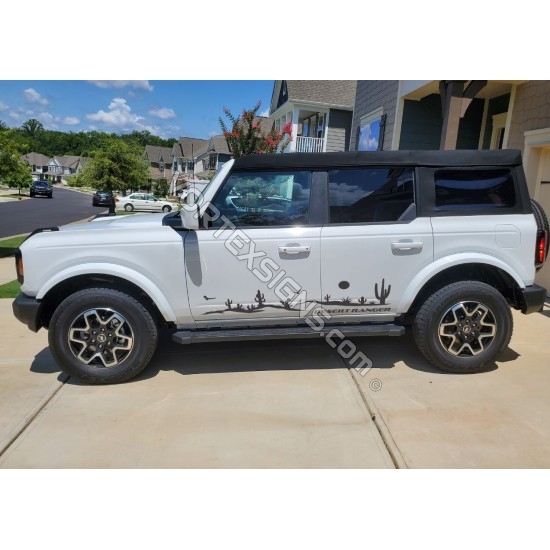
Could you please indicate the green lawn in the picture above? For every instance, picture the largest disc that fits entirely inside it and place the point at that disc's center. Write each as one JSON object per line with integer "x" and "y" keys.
{"x": 10, "y": 290}
{"x": 9, "y": 246}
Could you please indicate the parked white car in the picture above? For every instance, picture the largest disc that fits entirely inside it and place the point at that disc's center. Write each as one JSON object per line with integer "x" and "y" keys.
{"x": 145, "y": 202}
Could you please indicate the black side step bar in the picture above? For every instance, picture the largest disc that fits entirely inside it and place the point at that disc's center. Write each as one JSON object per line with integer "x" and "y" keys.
{"x": 283, "y": 333}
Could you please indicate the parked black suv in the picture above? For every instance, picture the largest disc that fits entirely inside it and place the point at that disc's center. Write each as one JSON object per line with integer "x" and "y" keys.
{"x": 41, "y": 187}
{"x": 103, "y": 198}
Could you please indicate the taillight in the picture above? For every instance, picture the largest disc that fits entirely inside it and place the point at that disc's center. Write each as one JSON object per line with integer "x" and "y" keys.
{"x": 540, "y": 251}
{"x": 19, "y": 266}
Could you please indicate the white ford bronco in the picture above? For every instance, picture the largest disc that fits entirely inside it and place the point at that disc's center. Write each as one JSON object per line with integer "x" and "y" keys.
{"x": 299, "y": 245}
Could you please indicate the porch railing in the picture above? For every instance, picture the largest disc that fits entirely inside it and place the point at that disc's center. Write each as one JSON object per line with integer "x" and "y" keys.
{"x": 309, "y": 144}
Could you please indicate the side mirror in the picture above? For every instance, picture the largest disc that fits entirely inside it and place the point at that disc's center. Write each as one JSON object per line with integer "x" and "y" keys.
{"x": 190, "y": 216}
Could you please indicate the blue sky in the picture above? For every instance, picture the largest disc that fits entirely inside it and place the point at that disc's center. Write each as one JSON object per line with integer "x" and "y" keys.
{"x": 167, "y": 108}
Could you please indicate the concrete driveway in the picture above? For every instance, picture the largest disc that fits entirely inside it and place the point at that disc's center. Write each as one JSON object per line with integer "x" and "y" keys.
{"x": 287, "y": 404}
{"x": 225, "y": 406}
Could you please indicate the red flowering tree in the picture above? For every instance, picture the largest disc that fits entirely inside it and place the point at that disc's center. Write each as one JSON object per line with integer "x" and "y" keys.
{"x": 246, "y": 136}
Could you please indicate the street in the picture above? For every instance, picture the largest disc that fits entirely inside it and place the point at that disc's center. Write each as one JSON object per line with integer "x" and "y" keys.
{"x": 24, "y": 216}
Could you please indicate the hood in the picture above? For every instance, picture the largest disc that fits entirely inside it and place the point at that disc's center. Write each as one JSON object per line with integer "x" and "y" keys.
{"x": 134, "y": 221}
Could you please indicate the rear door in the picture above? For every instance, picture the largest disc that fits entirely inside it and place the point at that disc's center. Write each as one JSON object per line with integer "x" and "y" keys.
{"x": 374, "y": 243}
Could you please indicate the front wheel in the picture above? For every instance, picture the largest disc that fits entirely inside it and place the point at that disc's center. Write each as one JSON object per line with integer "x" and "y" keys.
{"x": 128, "y": 207}
{"x": 463, "y": 327}
{"x": 166, "y": 209}
{"x": 102, "y": 336}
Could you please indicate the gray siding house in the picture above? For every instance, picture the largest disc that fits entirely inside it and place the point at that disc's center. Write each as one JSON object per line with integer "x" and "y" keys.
{"x": 160, "y": 162}
{"x": 184, "y": 155}
{"x": 54, "y": 169}
{"x": 320, "y": 112}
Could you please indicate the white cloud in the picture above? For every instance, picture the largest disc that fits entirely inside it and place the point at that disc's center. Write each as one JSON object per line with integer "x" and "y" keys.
{"x": 265, "y": 113}
{"x": 3, "y": 106}
{"x": 137, "y": 84}
{"x": 71, "y": 120}
{"x": 48, "y": 120}
{"x": 165, "y": 113}
{"x": 120, "y": 116}
{"x": 34, "y": 97}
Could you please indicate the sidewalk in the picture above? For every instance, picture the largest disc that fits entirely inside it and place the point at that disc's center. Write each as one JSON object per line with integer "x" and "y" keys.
{"x": 7, "y": 270}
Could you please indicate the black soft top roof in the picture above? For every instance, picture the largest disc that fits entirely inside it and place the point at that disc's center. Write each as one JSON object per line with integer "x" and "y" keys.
{"x": 502, "y": 157}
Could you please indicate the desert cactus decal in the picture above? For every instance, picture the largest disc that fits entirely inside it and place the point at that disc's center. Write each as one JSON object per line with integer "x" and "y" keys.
{"x": 383, "y": 293}
{"x": 259, "y": 305}
{"x": 260, "y": 299}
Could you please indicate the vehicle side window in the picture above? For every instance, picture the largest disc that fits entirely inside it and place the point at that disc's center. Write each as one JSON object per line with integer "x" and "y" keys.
{"x": 474, "y": 189}
{"x": 371, "y": 194}
{"x": 262, "y": 199}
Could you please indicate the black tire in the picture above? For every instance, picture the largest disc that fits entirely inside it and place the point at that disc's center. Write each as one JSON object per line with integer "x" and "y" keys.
{"x": 102, "y": 336}
{"x": 463, "y": 327}
{"x": 31, "y": 194}
{"x": 166, "y": 209}
{"x": 128, "y": 207}
{"x": 541, "y": 219}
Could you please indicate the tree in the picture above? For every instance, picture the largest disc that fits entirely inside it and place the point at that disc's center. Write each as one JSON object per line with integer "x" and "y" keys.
{"x": 246, "y": 136}
{"x": 13, "y": 171}
{"x": 117, "y": 166}
{"x": 32, "y": 127}
{"x": 3, "y": 125}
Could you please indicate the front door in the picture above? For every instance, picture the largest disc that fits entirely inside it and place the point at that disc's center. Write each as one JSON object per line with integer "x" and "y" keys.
{"x": 259, "y": 250}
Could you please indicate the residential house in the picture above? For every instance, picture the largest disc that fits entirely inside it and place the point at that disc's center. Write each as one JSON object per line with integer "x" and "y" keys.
{"x": 218, "y": 151}
{"x": 55, "y": 168}
{"x": 161, "y": 161}
{"x": 38, "y": 163}
{"x": 214, "y": 156}
{"x": 184, "y": 155}
{"x": 458, "y": 114}
{"x": 320, "y": 112}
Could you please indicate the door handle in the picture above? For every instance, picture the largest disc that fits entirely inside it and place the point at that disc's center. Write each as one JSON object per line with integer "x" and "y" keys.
{"x": 407, "y": 245}
{"x": 291, "y": 249}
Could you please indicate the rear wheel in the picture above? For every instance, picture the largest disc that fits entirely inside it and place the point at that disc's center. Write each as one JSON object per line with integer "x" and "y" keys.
{"x": 463, "y": 327}
{"x": 166, "y": 209}
{"x": 102, "y": 336}
{"x": 128, "y": 207}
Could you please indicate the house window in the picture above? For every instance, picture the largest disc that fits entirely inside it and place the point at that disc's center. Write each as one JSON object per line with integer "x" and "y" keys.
{"x": 212, "y": 162}
{"x": 371, "y": 131}
{"x": 499, "y": 126}
{"x": 320, "y": 126}
{"x": 161, "y": 166}
{"x": 190, "y": 165}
